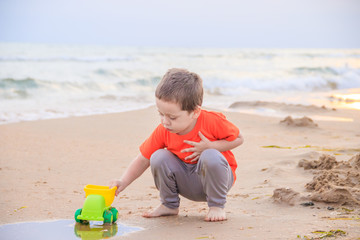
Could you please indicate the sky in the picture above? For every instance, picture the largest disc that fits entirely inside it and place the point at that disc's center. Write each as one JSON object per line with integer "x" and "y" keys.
{"x": 185, "y": 23}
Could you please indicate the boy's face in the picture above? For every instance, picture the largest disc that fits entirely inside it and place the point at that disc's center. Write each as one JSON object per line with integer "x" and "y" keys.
{"x": 174, "y": 119}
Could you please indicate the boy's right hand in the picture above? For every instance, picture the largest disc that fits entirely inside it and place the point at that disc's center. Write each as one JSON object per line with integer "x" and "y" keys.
{"x": 117, "y": 183}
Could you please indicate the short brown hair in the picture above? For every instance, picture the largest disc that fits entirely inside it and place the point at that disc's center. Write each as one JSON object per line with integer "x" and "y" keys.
{"x": 181, "y": 86}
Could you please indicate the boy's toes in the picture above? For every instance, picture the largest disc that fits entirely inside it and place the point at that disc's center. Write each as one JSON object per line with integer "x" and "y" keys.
{"x": 215, "y": 214}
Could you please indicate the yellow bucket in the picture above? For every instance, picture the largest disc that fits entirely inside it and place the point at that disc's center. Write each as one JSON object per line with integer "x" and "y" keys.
{"x": 105, "y": 191}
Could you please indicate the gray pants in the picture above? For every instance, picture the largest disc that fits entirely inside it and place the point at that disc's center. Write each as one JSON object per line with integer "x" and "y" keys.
{"x": 209, "y": 180}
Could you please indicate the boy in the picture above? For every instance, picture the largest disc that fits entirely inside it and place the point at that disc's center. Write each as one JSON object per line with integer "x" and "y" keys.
{"x": 189, "y": 152}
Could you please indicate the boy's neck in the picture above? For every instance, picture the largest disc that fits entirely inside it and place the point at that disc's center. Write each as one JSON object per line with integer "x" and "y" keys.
{"x": 190, "y": 128}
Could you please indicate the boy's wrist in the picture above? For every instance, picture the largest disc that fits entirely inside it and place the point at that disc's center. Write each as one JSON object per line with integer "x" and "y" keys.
{"x": 123, "y": 182}
{"x": 211, "y": 145}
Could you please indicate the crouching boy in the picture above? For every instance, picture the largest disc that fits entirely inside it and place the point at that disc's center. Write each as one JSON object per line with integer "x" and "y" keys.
{"x": 189, "y": 152}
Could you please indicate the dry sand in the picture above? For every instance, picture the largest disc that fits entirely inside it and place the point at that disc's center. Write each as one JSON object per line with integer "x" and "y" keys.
{"x": 44, "y": 166}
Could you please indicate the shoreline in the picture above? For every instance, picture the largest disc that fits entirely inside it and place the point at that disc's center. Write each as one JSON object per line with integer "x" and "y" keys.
{"x": 255, "y": 107}
{"x": 48, "y": 163}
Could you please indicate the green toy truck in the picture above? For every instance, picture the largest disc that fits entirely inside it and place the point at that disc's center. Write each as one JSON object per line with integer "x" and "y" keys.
{"x": 97, "y": 205}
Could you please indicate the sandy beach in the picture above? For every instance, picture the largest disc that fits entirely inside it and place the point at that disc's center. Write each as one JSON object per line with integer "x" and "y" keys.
{"x": 45, "y": 164}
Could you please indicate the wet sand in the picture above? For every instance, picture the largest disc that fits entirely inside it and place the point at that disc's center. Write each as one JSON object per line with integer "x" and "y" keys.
{"x": 44, "y": 166}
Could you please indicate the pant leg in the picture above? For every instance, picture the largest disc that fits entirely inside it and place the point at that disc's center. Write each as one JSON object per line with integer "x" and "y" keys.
{"x": 173, "y": 177}
{"x": 216, "y": 177}
{"x": 208, "y": 180}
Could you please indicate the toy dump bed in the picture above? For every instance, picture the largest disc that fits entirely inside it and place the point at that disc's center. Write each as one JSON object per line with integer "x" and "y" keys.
{"x": 106, "y": 192}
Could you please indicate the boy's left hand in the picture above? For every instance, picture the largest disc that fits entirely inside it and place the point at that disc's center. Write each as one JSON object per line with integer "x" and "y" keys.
{"x": 198, "y": 147}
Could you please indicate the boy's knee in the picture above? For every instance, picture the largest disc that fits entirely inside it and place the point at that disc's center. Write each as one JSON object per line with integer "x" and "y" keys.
{"x": 158, "y": 157}
{"x": 212, "y": 158}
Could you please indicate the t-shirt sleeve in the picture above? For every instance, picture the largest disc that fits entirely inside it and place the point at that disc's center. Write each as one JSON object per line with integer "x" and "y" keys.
{"x": 154, "y": 142}
{"x": 223, "y": 128}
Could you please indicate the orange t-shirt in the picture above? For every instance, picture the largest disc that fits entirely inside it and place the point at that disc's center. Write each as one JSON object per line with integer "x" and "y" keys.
{"x": 213, "y": 125}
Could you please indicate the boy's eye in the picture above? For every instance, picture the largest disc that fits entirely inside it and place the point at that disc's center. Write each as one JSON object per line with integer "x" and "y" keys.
{"x": 169, "y": 117}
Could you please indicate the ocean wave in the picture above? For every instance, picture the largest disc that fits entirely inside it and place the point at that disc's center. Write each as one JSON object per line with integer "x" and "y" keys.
{"x": 106, "y": 73}
{"x": 104, "y": 81}
{"x": 315, "y": 70}
{"x": 153, "y": 81}
{"x": 345, "y": 54}
{"x": 307, "y": 83}
{"x": 18, "y": 83}
{"x": 12, "y": 88}
{"x": 30, "y": 88}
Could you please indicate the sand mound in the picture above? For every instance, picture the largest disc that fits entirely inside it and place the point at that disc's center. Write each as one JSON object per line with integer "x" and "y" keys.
{"x": 324, "y": 162}
{"x": 286, "y": 196}
{"x": 298, "y": 122}
{"x": 334, "y": 182}
{"x": 354, "y": 162}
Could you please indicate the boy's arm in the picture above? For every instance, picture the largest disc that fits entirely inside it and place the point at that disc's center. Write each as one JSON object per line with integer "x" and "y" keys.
{"x": 224, "y": 145}
{"x": 136, "y": 168}
{"x": 220, "y": 145}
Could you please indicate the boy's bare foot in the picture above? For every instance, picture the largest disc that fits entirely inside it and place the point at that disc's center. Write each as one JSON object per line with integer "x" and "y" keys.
{"x": 161, "y": 210}
{"x": 215, "y": 214}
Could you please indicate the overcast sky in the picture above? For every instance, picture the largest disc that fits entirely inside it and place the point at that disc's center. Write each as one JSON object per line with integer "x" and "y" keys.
{"x": 184, "y": 23}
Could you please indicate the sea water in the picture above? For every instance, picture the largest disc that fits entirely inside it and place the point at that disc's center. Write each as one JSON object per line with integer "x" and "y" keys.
{"x": 63, "y": 230}
{"x": 40, "y": 81}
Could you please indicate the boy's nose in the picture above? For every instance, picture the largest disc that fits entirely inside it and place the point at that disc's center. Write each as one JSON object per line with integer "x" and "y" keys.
{"x": 165, "y": 121}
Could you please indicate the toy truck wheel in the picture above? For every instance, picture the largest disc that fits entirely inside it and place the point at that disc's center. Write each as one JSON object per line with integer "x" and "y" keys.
{"x": 108, "y": 216}
{"x": 115, "y": 214}
{"x": 77, "y": 213}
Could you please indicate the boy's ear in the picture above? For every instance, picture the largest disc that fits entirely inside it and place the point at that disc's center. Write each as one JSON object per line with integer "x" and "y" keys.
{"x": 197, "y": 112}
